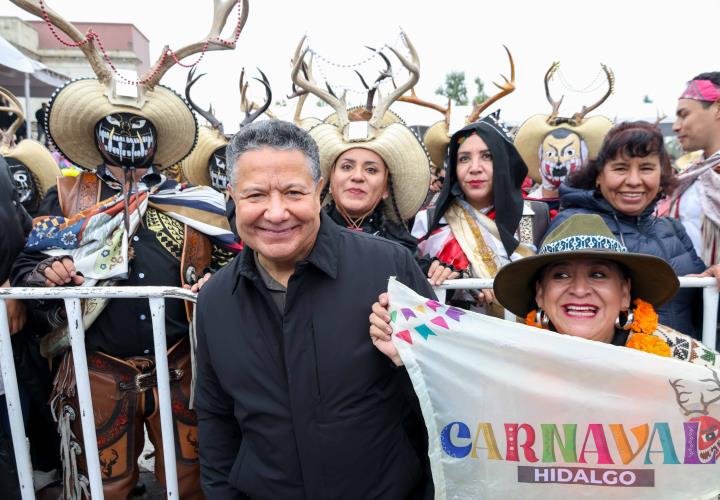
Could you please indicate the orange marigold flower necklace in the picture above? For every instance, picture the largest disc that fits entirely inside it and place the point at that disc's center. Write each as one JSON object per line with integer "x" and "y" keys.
{"x": 644, "y": 324}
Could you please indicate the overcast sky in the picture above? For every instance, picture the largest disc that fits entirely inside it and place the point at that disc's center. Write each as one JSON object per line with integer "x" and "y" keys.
{"x": 653, "y": 47}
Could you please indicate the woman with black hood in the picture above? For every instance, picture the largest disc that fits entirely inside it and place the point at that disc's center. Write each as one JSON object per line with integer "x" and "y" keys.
{"x": 480, "y": 221}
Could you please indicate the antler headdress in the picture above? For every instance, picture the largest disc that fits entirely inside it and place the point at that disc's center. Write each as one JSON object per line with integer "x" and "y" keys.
{"x": 400, "y": 149}
{"x": 76, "y": 107}
{"x": 591, "y": 130}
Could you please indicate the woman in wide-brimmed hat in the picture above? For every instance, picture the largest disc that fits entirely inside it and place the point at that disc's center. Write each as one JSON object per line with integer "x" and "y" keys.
{"x": 585, "y": 283}
{"x": 377, "y": 171}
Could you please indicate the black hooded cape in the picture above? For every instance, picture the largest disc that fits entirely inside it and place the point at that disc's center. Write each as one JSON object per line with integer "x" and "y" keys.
{"x": 509, "y": 171}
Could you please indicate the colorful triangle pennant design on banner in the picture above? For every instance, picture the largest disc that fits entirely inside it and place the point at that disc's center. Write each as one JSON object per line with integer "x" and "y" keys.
{"x": 425, "y": 331}
{"x": 440, "y": 321}
{"x": 405, "y": 335}
{"x": 454, "y": 313}
{"x": 408, "y": 313}
{"x": 433, "y": 304}
{"x": 393, "y": 316}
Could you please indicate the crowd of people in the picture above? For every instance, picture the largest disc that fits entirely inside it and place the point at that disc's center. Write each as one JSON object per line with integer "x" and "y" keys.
{"x": 281, "y": 385}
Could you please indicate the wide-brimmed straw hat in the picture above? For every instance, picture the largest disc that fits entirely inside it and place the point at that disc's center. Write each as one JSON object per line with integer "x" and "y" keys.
{"x": 436, "y": 139}
{"x": 195, "y": 166}
{"x": 79, "y": 105}
{"x": 403, "y": 154}
{"x": 39, "y": 161}
{"x": 532, "y": 133}
{"x": 581, "y": 237}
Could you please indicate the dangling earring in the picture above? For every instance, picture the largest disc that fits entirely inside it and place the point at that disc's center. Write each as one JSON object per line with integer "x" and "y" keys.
{"x": 628, "y": 323}
{"x": 541, "y": 318}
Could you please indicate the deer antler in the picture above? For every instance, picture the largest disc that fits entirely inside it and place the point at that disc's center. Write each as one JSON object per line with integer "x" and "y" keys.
{"x": 208, "y": 115}
{"x": 414, "y": 99}
{"x": 413, "y": 66}
{"x": 252, "y": 110}
{"x": 300, "y": 93}
{"x": 679, "y": 393}
{"x": 506, "y": 88}
{"x": 306, "y": 83}
{"x": 555, "y": 104}
{"x": 716, "y": 381}
{"x": 86, "y": 44}
{"x": 212, "y": 41}
{"x": 578, "y": 117}
{"x": 13, "y": 106}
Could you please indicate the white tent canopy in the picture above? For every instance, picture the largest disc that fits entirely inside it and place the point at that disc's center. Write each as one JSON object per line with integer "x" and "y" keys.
{"x": 16, "y": 70}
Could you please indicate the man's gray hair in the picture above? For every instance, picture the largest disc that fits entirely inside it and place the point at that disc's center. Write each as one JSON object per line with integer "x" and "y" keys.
{"x": 275, "y": 134}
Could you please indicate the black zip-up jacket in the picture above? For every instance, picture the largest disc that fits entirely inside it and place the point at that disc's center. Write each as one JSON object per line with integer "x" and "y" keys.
{"x": 662, "y": 237}
{"x": 301, "y": 405}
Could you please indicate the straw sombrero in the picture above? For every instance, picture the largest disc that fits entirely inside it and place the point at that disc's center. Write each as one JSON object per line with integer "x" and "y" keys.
{"x": 583, "y": 236}
{"x": 436, "y": 139}
{"x": 39, "y": 161}
{"x": 76, "y": 108}
{"x": 401, "y": 151}
{"x": 355, "y": 112}
{"x": 532, "y": 133}
{"x": 195, "y": 166}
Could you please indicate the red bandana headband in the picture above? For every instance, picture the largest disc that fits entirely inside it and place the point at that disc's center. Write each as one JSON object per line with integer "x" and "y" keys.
{"x": 701, "y": 90}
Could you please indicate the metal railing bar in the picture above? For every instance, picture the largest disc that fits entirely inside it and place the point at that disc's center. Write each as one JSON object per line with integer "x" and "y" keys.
{"x": 12, "y": 396}
{"x": 157, "y": 310}
{"x": 82, "y": 383}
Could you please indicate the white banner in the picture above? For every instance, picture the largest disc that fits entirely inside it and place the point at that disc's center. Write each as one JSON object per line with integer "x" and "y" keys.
{"x": 517, "y": 412}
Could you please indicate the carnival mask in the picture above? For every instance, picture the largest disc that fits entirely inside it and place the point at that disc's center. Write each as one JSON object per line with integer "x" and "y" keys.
{"x": 561, "y": 153}
{"x": 218, "y": 170}
{"x": 25, "y": 185}
{"x": 126, "y": 140}
{"x": 708, "y": 438}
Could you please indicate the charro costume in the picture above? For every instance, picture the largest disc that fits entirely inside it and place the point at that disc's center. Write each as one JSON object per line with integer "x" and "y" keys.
{"x": 554, "y": 147}
{"x": 120, "y": 231}
{"x": 375, "y": 128}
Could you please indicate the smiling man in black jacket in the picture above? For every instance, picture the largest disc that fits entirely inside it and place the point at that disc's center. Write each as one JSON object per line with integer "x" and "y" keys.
{"x": 293, "y": 399}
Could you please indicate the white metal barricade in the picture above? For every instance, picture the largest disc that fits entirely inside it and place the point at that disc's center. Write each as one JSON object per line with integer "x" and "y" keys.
{"x": 156, "y": 297}
{"x": 710, "y": 299}
{"x": 71, "y": 296}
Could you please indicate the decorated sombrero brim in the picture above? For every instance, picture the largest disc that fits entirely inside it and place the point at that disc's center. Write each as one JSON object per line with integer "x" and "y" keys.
{"x": 400, "y": 149}
{"x": 39, "y": 161}
{"x": 581, "y": 237}
{"x": 531, "y": 134}
{"x": 436, "y": 139}
{"x": 195, "y": 166}
{"x": 76, "y": 108}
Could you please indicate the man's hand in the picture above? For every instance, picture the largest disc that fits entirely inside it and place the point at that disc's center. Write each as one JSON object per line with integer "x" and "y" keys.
{"x": 381, "y": 331}
{"x": 198, "y": 284}
{"x": 55, "y": 271}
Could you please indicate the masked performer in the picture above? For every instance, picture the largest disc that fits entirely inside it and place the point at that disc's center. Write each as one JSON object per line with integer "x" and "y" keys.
{"x": 206, "y": 165}
{"x": 377, "y": 170}
{"x": 32, "y": 167}
{"x": 122, "y": 222}
{"x": 554, "y": 147}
